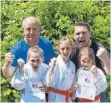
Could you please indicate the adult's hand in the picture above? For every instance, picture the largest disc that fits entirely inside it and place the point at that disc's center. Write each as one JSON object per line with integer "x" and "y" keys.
{"x": 9, "y": 59}
{"x": 7, "y": 69}
{"x": 102, "y": 53}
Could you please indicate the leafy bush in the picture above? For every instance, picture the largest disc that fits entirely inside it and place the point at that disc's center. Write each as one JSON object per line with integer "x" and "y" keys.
{"x": 57, "y": 19}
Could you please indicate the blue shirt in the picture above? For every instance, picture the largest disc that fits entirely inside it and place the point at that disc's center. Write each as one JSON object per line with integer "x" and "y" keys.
{"x": 20, "y": 49}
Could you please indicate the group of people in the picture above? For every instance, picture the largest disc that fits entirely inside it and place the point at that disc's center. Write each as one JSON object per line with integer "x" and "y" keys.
{"x": 40, "y": 77}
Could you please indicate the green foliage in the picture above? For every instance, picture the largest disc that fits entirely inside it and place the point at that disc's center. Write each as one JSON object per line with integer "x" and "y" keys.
{"x": 108, "y": 92}
{"x": 8, "y": 93}
{"x": 57, "y": 19}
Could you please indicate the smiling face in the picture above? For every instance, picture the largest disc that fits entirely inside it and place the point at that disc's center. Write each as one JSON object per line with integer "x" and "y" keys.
{"x": 35, "y": 60}
{"x": 65, "y": 50}
{"x": 87, "y": 57}
{"x": 82, "y": 36}
{"x": 86, "y": 62}
{"x": 31, "y": 29}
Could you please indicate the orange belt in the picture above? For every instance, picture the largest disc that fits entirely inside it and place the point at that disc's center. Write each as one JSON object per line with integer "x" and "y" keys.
{"x": 66, "y": 93}
{"x": 88, "y": 100}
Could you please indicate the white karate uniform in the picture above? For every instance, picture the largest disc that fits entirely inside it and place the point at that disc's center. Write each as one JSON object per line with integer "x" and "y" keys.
{"x": 86, "y": 77}
{"x": 63, "y": 79}
{"x": 29, "y": 81}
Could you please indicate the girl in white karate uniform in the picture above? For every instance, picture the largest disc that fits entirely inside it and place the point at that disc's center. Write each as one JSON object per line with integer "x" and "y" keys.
{"x": 29, "y": 78}
{"x": 60, "y": 77}
{"x": 89, "y": 76}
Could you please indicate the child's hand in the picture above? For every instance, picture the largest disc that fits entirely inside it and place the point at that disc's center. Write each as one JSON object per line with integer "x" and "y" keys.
{"x": 52, "y": 65}
{"x": 53, "y": 62}
{"x": 94, "y": 71}
{"x": 21, "y": 63}
{"x": 76, "y": 86}
{"x": 42, "y": 87}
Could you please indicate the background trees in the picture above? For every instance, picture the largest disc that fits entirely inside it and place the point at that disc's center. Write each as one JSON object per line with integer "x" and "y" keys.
{"x": 57, "y": 19}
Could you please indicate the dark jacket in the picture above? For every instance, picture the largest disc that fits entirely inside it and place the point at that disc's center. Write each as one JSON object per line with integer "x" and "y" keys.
{"x": 75, "y": 59}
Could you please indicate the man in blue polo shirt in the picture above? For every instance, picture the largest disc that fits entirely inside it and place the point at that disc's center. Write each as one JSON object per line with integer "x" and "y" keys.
{"x": 31, "y": 31}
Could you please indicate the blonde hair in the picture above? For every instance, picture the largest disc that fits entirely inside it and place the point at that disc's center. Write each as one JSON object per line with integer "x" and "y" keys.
{"x": 67, "y": 40}
{"x": 89, "y": 52}
{"x": 36, "y": 49}
{"x": 31, "y": 19}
